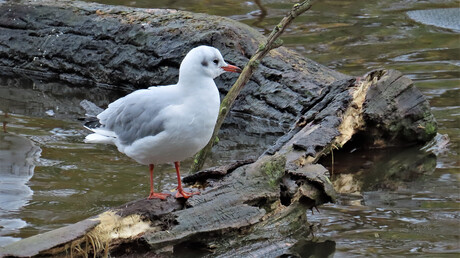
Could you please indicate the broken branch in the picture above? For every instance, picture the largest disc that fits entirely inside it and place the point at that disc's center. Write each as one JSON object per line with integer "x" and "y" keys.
{"x": 272, "y": 42}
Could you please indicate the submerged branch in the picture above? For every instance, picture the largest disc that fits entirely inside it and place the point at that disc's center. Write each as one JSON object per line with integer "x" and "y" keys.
{"x": 272, "y": 42}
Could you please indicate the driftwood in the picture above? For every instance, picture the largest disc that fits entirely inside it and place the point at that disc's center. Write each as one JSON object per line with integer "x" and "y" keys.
{"x": 256, "y": 209}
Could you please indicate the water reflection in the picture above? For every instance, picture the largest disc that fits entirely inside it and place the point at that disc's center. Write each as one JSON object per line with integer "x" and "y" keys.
{"x": 357, "y": 171}
{"x": 23, "y": 96}
{"x": 28, "y": 109}
{"x": 17, "y": 159}
{"x": 390, "y": 196}
{"x": 305, "y": 248}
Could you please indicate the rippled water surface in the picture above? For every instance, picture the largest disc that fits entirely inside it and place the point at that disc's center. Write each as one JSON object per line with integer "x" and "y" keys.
{"x": 392, "y": 202}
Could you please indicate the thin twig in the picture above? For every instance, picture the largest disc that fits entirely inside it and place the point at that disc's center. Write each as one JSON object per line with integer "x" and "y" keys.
{"x": 272, "y": 42}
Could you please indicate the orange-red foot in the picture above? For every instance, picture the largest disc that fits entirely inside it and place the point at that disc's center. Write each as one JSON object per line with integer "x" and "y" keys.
{"x": 158, "y": 196}
{"x": 183, "y": 194}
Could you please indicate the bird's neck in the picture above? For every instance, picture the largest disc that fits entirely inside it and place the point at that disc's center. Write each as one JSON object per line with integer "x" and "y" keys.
{"x": 195, "y": 83}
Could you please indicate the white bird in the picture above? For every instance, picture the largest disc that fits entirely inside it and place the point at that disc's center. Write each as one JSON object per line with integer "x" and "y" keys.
{"x": 167, "y": 123}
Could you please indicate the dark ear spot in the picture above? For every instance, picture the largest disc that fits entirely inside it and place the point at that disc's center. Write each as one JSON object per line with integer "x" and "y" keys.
{"x": 204, "y": 63}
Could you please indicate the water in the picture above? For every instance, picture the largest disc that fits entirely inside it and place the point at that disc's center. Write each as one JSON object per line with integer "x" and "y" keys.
{"x": 392, "y": 202}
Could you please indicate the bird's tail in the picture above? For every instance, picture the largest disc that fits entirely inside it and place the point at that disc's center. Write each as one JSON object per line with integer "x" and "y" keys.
{"x": 97, "y": 138}
{"x": 101, "y": 136}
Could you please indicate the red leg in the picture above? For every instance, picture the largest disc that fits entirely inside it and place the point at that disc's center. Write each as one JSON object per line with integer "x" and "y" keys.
{"x": 180, "y": 192}
{"x": 154, "y": 195}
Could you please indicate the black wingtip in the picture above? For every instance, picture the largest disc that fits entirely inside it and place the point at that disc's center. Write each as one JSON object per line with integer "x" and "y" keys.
{"x": 92, "y": 123}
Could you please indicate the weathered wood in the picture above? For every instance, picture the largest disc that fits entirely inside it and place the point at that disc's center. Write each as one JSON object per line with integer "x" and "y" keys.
{"x": 256, "y": 209}
{"x": 215, "y": 172}
{"x": 396, "y": 112}
{"x": 49, "y": 243}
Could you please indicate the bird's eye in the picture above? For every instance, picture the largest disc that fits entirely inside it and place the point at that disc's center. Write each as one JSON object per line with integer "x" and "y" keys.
{"x": 216, "y": 61}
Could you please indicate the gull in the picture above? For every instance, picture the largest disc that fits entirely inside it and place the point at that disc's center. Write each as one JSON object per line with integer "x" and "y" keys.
{"x": 170, "y": 123}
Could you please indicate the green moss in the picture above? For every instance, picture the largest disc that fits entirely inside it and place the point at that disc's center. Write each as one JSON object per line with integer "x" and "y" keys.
{"x": 430, "y": 128}
{"x": 394, "y": 127}
{"x": 308, "y": 93}
{"x": 195, "y": 158}
{"x": 278, "y": 42}
{"x": 254, "y": 64}
{"x": 223, "y": 110}
{"x": 274, "y": 169}
{"x": 261, "y": 47}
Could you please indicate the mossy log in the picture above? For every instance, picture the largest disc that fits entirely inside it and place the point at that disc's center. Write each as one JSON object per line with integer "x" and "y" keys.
{"x": 254, "y": 208}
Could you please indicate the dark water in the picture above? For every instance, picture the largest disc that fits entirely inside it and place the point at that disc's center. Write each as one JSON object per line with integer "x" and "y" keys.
{"x": 392, "y": 202}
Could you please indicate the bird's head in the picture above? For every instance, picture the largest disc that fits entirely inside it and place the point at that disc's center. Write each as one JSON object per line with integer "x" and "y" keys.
{"x": 205, "y": 61}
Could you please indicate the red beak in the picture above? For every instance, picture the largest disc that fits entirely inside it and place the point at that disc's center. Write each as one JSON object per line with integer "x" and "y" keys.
{"x": 231, "y": 68}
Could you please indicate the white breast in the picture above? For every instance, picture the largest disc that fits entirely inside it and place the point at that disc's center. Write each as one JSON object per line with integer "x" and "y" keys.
{"x": 188, "y": 127}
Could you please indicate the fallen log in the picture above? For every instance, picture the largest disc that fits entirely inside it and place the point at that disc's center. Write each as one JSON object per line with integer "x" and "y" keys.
{"x": 235, "y": 215}
{"x": 255, "y": 209}
{"x": 129, "y": 48}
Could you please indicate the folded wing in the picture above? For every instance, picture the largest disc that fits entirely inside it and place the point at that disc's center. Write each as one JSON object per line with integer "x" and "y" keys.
{"x": 133, "y": 117}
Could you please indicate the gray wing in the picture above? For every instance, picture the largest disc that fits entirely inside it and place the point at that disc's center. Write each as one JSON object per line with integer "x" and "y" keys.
{"x": 136, "y": 115}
